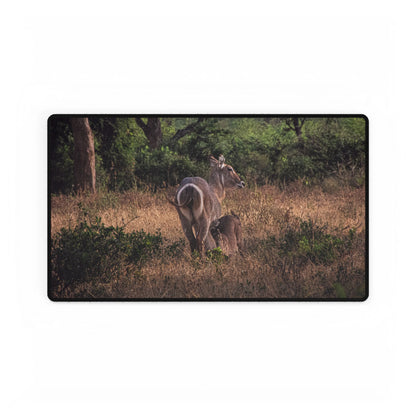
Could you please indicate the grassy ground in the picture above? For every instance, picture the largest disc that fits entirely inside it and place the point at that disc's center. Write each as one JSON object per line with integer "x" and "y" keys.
{"x": 299, "y": 243}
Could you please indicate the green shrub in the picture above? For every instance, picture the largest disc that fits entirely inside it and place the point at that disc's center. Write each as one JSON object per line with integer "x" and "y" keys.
{"x": 174, "y": 249}
{"x": 162, "y": 167}
{"x": 116, "y": 142}
{"x": 310, "y": 241}
{"x": 61, "y": 149}
{"x": 216, "y": 256}
{"x": 91, "y": 251}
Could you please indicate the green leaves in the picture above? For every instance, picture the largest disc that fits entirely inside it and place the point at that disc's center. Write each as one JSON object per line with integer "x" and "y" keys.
{"x": 310, "y": 241}
{"x": 92, "y": 251}
{"x": 262, "y": 150}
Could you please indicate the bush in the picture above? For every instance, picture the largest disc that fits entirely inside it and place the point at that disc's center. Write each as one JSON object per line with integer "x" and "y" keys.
{"x": 163, "y": 167}
{"x": 92, "y": 251}
{"x": 310, "y": 241}
{"x": 216, "y": 256}
{"x": 116, "y": 141}
{"x": 61, "y": 149}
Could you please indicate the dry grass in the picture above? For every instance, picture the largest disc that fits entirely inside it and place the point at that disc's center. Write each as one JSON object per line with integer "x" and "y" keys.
{"x": 263, "y": 272}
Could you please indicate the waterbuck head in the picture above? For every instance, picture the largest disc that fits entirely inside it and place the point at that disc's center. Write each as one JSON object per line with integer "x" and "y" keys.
{"x": 223, "y": 176}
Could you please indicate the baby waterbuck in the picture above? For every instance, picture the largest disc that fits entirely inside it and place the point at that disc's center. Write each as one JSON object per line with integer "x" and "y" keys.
{"x": 227, "y": 234}
{"x": 198, "y": 202}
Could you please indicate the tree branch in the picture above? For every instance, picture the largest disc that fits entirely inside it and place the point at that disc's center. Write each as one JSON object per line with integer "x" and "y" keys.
{"x": 289, "y": 125}
{"x": 188, "y": 129}
{"x": 141, "y": 123}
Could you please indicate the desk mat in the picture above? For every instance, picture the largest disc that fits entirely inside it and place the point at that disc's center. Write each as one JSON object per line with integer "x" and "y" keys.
{"x": 207, "y": 207}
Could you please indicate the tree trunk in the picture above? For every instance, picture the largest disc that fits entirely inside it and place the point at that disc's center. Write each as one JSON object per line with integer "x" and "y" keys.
{"x": 152, "y": 130}
{"x": 84, "y": 155}
{"x": 297, "y": 128}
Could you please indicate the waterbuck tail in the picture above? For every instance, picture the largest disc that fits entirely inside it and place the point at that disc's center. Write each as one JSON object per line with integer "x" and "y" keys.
{"x": 172, "y": 202}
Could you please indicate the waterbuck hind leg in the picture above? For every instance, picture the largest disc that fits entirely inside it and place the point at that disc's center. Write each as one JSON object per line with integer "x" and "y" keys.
{"x": 204, "y": 237}
{"x": 187, "y": 229}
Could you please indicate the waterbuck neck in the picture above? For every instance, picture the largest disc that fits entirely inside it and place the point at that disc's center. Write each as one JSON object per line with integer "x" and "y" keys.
{"x": 216, "y": 183}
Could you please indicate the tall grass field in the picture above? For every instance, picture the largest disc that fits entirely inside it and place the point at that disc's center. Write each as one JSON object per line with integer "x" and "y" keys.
{"x": 300, "y": 242}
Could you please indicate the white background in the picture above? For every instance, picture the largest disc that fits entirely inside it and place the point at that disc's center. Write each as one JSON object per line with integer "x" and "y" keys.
{"x": 207, "y": 358}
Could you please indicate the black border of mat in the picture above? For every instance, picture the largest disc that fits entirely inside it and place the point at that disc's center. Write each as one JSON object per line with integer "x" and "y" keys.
{"x": 222, "y": 299}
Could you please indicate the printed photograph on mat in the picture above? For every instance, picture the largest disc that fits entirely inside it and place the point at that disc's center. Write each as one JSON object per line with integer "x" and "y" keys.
{"x": 208, "y": 207}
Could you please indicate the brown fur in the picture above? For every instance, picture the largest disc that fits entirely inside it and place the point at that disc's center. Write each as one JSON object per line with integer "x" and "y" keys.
{"x": 227, "y": 233}
{"x": 198, "y": 202}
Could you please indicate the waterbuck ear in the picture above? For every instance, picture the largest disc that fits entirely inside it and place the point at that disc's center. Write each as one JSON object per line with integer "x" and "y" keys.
{"x": 235, "y": 215}
{"x": 221, "y": 161}
{"x": 212, "y": 161}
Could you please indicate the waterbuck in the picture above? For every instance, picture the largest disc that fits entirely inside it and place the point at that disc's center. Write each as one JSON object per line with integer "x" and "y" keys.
{"x": 198, "y": 202}
{"x": 227, "y": 234}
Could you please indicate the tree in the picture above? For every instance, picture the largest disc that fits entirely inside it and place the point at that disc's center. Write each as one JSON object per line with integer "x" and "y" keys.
{"x": 152, "y": 130}
{"x": 84, "y": 154}
{"x": 188, "y": 129}
{"x": 295, "y": 124}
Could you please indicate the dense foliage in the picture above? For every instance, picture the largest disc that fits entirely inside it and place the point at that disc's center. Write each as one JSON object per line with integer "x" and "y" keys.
{"x": 91, "y": 251}
{"x": 262, "y": 150}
